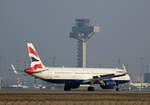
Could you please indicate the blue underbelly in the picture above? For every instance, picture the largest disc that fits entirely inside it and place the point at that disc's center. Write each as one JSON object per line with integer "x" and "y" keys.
{"x": 80, "y": 81}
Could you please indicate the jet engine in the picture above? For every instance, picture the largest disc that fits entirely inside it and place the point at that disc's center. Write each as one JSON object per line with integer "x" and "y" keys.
{"x": 107, "y": 84}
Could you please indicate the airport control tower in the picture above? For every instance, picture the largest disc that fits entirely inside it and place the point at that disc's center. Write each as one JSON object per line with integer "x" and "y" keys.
{"x": 82, "y": 31}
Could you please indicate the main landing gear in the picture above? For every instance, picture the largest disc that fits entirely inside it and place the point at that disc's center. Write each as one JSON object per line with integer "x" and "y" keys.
{"x": 67, "y": 87}
{"x": 91, "y": 88}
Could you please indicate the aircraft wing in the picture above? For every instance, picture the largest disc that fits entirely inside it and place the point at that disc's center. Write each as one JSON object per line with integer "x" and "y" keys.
{"x": 103, "y": 77}
{"x": 107, "y": 76}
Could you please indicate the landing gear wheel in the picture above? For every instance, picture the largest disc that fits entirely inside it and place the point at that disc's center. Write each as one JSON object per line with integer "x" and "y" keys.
{"x": 67, "y": 88}
{"x": 117, "y": 89}
{"x": 91, "y": 88}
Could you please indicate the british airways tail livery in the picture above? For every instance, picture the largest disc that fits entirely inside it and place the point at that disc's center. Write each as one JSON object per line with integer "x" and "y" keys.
{"x": 107, "y": 78}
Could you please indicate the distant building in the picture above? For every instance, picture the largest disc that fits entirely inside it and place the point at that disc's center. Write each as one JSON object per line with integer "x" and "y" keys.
{"x": 146, "y": 77}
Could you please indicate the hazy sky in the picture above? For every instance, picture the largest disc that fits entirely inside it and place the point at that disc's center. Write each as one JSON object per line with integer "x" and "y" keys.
{"x": 125, "y": 32}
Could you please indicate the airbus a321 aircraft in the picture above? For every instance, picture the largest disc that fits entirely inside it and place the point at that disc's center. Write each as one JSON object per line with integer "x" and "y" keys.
{"x": 107, "y": 78}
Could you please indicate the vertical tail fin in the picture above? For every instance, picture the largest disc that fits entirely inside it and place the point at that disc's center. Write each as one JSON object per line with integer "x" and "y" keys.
{"x": 35, "y": 59}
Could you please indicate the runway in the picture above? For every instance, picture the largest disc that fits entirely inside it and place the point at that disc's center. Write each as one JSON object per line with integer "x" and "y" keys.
{"x": 47, "y": 91}
{"x": 76, "y": 97}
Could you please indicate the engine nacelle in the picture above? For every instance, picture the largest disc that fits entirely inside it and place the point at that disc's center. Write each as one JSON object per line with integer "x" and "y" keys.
{"x": 107, "y": 84}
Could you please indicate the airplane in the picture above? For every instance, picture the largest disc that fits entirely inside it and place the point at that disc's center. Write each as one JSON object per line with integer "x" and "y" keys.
{"x": 140, "y": 85}
{"x": 73, "y": 77}
{"x": 14, "y": 69}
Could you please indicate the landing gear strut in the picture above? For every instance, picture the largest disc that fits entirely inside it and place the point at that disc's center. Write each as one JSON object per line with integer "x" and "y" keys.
{"x": 67, "y": 87}
{"x": 117, "y": 88}
{"x": 91, "y": 88}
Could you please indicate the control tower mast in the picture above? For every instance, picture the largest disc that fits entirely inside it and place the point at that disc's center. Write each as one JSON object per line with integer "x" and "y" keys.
{"x": 82, "y": 31}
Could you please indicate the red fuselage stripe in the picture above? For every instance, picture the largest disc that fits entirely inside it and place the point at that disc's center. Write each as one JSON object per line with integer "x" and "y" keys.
{"x": 121, "y": 71}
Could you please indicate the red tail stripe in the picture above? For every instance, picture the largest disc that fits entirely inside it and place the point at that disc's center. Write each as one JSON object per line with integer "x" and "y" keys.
{"x": 37, "y": 66}
{"x": 33, "y": 69}
{"x": 29, "y": 70}
{"x": 32, "y": 51}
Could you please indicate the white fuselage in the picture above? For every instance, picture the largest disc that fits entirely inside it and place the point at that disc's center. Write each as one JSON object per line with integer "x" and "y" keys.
{"x": 59, "y": 75}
